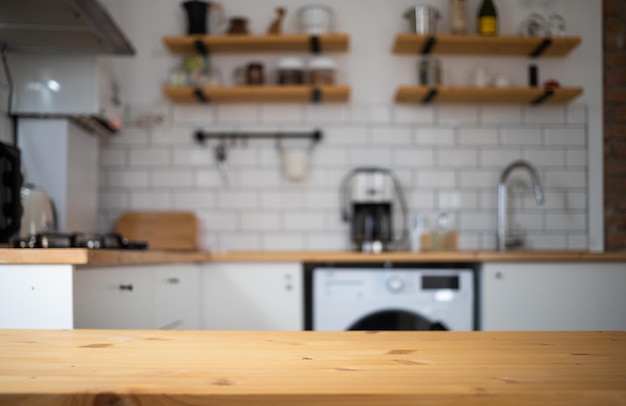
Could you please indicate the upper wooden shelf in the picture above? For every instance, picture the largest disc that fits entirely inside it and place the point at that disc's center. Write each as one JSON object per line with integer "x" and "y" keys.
{"x": 476, "y": 95}
{"x": 258, "y": 43}
{"x": 255, "y": 94}
{"x": 482, "y": 45}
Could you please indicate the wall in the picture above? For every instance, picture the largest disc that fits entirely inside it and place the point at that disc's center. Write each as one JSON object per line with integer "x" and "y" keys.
{"x": 615, "y": 123}
{"x": 447, "y": 157}
{"x": 6, "y": 133}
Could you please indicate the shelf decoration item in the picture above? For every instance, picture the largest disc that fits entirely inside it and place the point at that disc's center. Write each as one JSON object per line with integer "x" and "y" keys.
{"x": 197, "y": 10}
{"x": 458, "y": 16}
{"x": 487, "y": 23}
{"x": 275, "y": 27}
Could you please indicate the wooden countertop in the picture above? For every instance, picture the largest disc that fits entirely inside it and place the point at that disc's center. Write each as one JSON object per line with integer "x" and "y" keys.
{"x": 97, "y": 367}
{"x": 77, "y": 256}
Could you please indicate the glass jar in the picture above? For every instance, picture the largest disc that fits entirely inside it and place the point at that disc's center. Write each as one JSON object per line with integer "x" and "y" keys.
{"x": 290, "y": 71}
{"x": 322, "y": 71}
{"x": 429, "y": 72}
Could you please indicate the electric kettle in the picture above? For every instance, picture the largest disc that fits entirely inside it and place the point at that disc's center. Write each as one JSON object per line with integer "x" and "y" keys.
{"x": 39, "y": 215}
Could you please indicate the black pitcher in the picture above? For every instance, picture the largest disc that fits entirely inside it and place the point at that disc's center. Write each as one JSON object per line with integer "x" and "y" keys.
{"x": 197, "y": 10}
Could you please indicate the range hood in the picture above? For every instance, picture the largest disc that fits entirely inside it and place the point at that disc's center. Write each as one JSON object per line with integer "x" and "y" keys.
{"x": 60, "y": 27}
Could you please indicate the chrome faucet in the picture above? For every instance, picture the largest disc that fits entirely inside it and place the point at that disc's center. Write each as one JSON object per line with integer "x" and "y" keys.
{"x": 504, "y": 240}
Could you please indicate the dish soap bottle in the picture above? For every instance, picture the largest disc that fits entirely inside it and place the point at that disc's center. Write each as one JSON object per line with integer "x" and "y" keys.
{"x": 417, "y": 231}
{"x": 487, "y": 18}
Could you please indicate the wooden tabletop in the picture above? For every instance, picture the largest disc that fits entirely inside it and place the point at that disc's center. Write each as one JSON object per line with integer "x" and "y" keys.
{"x": 81, "y": 256}
{"x": 97, "y": 367}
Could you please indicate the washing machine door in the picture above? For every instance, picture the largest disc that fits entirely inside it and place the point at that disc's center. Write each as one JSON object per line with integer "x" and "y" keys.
{"x": 396, "y": 320}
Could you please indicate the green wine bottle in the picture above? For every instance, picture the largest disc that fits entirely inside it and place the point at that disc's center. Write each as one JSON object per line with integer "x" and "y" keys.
{"x": 487, "y": 19}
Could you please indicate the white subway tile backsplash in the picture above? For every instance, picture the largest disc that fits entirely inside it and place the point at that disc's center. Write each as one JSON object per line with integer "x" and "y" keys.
{"x": 327, "y": 241}
{"x": 457, "y": 114}
{"x": 173, "y": 136}
{"x": 195, "y": 113}
{"x": 578, "y": 241}
{"x": 494, "y": 114}
{"x": 434, "y": 136}
{"x": 408, "y": 114}
{"x": 113, "y": 157}
{"x": 488, "y": 199}
{"x": 436, "y": 179}
{"x": 218, "y": 220}
{"x": 477, "y": 221}
{"x": 566, "y": 136}
{"x": 370, "y": 114}
{"x": 238, "y": 113}
{"x": 325, "y": 113}
{"x": 281, "y": 200}
{"x": 241, "y": 241}
{"x": 208, "y": 177}
{"x": 413, "y": 157}
{"x": 544, "y": 114}
{"x": 303, "y": 220}
{"x": 282, "y": 113}
{"x": 283, "y": 241}
{"x": 545, "y": 241}
{"x": 576, "y": 157}
{"x": 571, "y": 178}
{"x": 194, "y": 200}
{"x": 346, "y": 136}
{"x": 576, "y": 200}
{"x": 545, "y": 157}
{"x": 128, "y": 179}
{"x": 364, "y": 156}
{"x": 521, "y": 136}
{"x": 149, "y": 157}
{"x": 455, "y": 200}
{"x": 259, "y": 178}
{"x": 421, "y": 200}
{"x": 566, "y": 222}
{"x": 478, "y": 178}
{"x": 197, "y": 157}
{"x": 478, "y": 136}
{"x": 577, "y": 114}
{"x": 172, "y": 178}
{"x": 322, "y": 199}
{"x": 227, "y": 199}
{"x": 150, "y": 200}
{"x": 498, "y": 158}
{"x": 266, "y": 221}
{"x": 128, "y": 137}
{"x": 526, "y": 221}
{"x": 456, "y": 158}
{"x": 391, "y": 136}
{"x": 114, "y": 200}
{"x": 329, "y": 157}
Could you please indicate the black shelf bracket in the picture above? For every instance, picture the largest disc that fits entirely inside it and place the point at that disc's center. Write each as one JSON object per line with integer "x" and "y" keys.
{"x": 428, "y": 46}
{"x": 548, "y": 93}
{"x": 201, "y": 47}
{"x": 316, "y": 95}
{"x": 315, "y": 45}
{"x": 202, "y": 98}
{"x": 201, "y": 136}
{"x": 430, "y": 96}
{"x": 541, "y": 48}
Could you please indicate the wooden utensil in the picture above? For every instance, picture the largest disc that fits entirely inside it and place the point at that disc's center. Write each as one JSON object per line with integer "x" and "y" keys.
{"x": 163, "y": 230}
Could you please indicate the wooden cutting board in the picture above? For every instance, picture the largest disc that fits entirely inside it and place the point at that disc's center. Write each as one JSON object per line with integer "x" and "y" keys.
{"x": 163, "y": 230}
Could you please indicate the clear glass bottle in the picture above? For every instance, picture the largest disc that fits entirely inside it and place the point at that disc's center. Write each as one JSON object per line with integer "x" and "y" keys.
{"x": 458, "y": 17}
{"x": 417, "y": 231}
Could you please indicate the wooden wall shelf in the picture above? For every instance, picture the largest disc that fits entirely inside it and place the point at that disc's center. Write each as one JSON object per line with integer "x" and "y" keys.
{"x": 474, "y": 95}
{"x": 255, "y": 94}
{"x": 481, "y": 45}
{"x": 258, "y": 43}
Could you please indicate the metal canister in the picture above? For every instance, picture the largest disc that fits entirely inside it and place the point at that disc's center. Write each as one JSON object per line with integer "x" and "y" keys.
{"x": 423, "y": 19}
{"x": 429, "y": 72}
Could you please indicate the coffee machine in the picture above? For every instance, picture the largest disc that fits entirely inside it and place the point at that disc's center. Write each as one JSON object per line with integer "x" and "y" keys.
{"x": 368, "y": 195}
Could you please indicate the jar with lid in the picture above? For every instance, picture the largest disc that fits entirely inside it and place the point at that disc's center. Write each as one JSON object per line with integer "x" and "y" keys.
{"x": 322, "y": 71}
{"x": 458, "y": 17}
{"x": 290, "y": 71}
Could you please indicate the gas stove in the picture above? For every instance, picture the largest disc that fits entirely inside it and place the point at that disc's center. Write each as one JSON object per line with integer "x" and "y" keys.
{"x": 79, "y": 240}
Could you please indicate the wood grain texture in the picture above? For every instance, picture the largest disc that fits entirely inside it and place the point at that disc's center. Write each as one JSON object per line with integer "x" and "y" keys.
{"x": 97, "y": 367}
{"x": 81, "y": 256}
{"x": 481, "y": 45}
{"x": 163, "y": 230}
{"x": 245, "y": 94}
{"x": 256, "y": 43}
{"x": 485, "y": 95}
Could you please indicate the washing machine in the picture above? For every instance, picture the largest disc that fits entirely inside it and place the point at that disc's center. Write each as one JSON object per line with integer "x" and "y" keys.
{"x": 391, "y": 297}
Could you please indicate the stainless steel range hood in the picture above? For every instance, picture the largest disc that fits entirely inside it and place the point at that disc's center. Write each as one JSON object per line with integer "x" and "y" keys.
{"x": 60, "y": 27}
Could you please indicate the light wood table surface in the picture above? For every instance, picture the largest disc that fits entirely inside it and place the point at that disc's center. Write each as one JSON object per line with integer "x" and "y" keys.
{"x": 97, "y": 367}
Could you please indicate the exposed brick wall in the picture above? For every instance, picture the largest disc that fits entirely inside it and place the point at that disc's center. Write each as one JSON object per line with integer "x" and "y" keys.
{"x": 615, "y": 124}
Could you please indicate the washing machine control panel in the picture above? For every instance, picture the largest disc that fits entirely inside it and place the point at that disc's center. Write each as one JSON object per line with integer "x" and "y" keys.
{"x": 395, "y": 284}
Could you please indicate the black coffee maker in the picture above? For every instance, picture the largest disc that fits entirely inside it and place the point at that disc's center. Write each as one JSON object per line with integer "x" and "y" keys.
{"x": 368, "y": 196}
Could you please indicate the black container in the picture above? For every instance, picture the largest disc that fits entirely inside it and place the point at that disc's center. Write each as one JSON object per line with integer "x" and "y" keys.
{"x": 197, "y": 22}
{"x": 10, "y": 185}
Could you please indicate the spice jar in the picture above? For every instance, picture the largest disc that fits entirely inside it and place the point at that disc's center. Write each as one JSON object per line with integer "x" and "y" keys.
{"x": 254, "y": 74}
{"x": 322, "y": 71}
{"x": 290, "y": 71}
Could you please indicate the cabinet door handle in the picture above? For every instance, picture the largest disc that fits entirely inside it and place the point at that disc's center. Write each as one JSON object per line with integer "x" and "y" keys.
{"x": 126, "y": 287}
{"x": 173, "y": 281}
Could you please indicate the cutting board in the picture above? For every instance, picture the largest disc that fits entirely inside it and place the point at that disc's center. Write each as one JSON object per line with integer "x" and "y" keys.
{"x": 163, "y": 230}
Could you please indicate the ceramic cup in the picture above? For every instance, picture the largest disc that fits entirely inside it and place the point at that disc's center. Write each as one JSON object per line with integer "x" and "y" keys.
{"x": 295, "y": 163}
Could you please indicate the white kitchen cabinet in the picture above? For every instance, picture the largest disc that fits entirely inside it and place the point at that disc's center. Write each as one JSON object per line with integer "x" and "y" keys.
{"x": 553, "y": 296}
{"x": 36, "y": 296}
{"x": 252, "y": 296}
{"x": 137, "y": 297}
{"x": 177, "y": 292}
